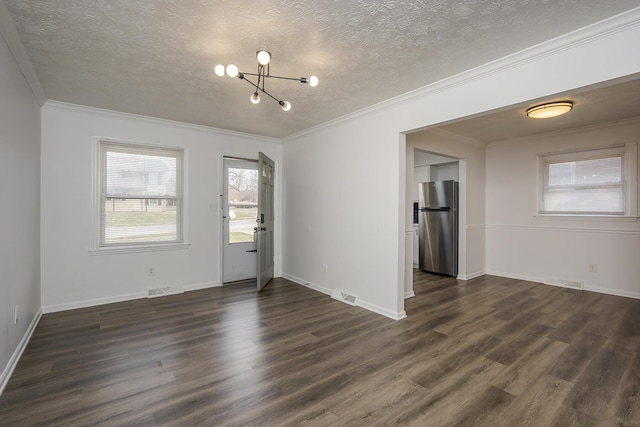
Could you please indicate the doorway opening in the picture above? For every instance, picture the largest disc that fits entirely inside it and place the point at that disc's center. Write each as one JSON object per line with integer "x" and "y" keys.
{"x": 433, "y": 156}
{"x": 429, "y": 167}
{"x": 239, "y": 211}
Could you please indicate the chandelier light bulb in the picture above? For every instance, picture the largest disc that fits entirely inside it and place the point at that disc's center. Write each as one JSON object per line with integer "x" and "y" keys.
{"x": 313, "y": 81}
{"x": 255, "y": 98}
{"x": 219, "y": 70}
{"x": 263, "y": 57}
{"x": 232, "y": 70}
{"x": 286, "y": 105}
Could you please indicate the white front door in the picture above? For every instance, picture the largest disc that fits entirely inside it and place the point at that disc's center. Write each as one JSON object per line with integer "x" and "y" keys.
{"x": 239, "y": 210}
{"x": 266, "y": 178}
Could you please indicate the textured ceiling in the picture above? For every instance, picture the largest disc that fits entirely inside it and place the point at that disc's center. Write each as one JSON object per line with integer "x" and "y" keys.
{"x": 618, "y": 101}
{"x": 156, "y": 58}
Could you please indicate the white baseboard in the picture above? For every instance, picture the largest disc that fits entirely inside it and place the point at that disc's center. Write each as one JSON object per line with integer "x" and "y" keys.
{"x": 360, "y": 303}
{"x": 92, "y": 302}
{"x": 383, "y": 311}
{"x": 409, "y": 294}
{"x": 117, "y": 298}
{"x": 598, "y": 289}
{"x": 616, "y": 292}
{"x": 15, "y": 357}
{"x": 198, "y": 286}
{"x": 306, "y": 284}
{"x": 470, "y": 276}
{"x": 516, "y": 276}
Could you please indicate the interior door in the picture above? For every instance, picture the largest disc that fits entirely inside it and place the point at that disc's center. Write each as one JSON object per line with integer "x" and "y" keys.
{"x": 239, "y": 210}
{"x": 264, "y": 222}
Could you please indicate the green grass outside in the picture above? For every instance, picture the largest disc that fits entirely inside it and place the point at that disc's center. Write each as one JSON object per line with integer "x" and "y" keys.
{"x": 128, "y": 219}
{"x": 143, "y": 239}
{"x": 245, "y": 213}
{"x": 240, "y": 237}
{"x": 124, "y": 219}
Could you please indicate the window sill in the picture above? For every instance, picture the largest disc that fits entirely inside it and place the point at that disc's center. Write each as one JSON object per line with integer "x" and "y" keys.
{"x": 111, "y": 250}
{"x": 606, "y": 218}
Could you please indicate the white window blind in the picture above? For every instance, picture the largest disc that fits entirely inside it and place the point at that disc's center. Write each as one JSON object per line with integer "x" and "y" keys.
{"x": 590, "y": 182}
{"x": 140, "y": 194}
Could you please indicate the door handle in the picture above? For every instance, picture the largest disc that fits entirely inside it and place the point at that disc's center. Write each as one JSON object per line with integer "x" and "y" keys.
{"x": 252, "y": 250}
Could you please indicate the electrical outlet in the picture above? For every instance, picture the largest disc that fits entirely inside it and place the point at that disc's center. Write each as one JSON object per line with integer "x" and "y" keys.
{"x": 15, "y": 315}
{"x": 324, "y": 268}
{"x": 151, "y": 271}
{"x": 593, "y": 268}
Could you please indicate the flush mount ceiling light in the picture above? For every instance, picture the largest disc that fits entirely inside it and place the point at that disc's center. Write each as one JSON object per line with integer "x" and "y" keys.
{"x": 264, "y": 58}
{"x": 552, "y": 109}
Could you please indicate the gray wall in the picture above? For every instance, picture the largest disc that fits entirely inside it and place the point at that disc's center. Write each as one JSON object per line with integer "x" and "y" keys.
{"x": 20, "y": 212}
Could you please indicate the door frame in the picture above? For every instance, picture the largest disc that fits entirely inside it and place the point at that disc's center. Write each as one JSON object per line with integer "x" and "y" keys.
{"x": 219, "y": 204}
{"x": 227, "y": 163}
{"x": 215, "y": 204}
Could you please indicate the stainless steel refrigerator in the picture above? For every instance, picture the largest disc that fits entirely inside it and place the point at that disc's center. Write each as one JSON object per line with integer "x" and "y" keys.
{"x": 438, "y": 227}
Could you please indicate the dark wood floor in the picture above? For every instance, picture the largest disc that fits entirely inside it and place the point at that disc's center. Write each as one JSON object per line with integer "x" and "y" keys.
{"x": 490, "y": 351}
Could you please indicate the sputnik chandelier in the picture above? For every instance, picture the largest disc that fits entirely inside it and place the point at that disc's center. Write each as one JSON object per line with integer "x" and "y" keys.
{"x": 264, "y": 58}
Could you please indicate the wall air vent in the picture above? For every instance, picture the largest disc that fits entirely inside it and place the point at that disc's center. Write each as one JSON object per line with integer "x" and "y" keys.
{"x": 166, "y": 290}
{"x": 572, "y": 284}
{"x": 344, "y": 297}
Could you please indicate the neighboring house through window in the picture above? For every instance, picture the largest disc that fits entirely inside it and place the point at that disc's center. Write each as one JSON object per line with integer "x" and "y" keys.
{"x": 140, "y": 194}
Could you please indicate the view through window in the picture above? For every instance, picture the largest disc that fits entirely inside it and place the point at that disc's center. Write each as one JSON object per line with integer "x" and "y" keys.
{"x": 590, "y": 182}
{"x": 140, "y": 194}
{"x": 243, "y": 204}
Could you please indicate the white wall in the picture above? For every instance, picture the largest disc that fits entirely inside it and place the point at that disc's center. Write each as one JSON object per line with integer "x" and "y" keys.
{"x": 338, "y": 212}
{"x": 347, "y": 179}
{"x": 423, "y": 158}
{"x": 523, "y": 246}
{"x": 71, "y": 275}
{"x": 20, "y": 195}
{"x": 445, "y": 172}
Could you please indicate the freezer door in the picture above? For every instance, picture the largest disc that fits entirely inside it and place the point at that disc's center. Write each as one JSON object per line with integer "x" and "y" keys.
{"x": 438, "y": 252}
{"x": 437, "y": 194}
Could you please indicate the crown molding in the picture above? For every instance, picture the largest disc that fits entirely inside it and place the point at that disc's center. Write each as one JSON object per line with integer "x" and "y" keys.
{"x": 12, "y": 39}
{"x": 455, "y": 136}
{"x": 570, "y": 131}
{"x": 158, "y": 121}
{"x": 604, "y": 28}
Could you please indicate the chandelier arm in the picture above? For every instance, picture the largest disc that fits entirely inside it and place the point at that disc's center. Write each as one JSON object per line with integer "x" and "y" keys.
{"x": 256, "y": 86}
{"x": 247, "y": 80}
{"x": 273, "y": 97}
{"x": 300, "y": 79}
{"x": 261, "y": 75}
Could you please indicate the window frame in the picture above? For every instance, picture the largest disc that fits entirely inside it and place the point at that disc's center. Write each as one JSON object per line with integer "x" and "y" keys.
{"x": 628, "y": 154}
{"x": 99, "y": 246}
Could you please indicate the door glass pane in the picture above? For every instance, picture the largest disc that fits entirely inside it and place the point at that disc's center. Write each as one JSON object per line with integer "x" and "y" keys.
{"x": 243, "y": 204}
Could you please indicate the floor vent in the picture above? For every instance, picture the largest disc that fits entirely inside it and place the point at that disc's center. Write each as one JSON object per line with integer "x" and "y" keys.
{"x": 344, "y": 297}
{"x": 167, "y": 290}
{"x": 572, "y": 284}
